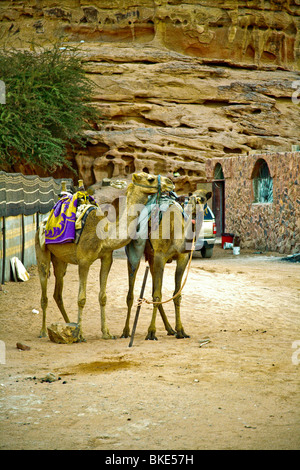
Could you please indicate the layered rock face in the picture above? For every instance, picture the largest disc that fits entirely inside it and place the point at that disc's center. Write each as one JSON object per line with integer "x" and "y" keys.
{"x": 175, "y": 82}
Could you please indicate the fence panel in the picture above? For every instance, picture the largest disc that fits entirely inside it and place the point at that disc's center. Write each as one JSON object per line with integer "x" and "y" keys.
{"x": 24, "y": 202}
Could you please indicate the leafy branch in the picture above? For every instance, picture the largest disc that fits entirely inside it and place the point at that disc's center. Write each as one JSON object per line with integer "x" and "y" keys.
{"x": 47, "y": 106}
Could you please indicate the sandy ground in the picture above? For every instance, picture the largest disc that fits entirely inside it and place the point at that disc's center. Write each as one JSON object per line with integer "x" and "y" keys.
{"x": 239, "y": 391}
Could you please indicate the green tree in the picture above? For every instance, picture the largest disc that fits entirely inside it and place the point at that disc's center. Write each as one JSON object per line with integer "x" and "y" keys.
{"x": 47, "y": 106}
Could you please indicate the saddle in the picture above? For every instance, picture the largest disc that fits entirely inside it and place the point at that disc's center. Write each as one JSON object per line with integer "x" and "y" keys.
{"x": 67, "y": 218}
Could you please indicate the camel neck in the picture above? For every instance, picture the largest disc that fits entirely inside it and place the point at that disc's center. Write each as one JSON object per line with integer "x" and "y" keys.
{"x": 136, "y": 199}
{"x": 135, "y": 195}
{"x": 119, "y": 227}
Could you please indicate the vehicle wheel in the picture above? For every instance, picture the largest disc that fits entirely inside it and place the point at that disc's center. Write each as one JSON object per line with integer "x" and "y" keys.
{"x": 207, "y": 251}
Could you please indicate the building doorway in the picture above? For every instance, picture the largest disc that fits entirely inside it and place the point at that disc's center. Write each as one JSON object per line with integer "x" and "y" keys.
{"x": 218, "y": 200}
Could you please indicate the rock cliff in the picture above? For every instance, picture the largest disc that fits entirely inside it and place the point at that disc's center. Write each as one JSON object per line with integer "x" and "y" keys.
{"x": 175, "y": 82}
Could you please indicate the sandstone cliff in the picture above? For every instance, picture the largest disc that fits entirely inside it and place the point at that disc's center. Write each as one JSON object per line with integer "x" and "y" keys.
{"x": 175, "y": 82}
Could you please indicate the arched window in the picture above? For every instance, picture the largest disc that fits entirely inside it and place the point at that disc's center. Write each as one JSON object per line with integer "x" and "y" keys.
{"x": 262, "y": 182}
{"x": 218, "y": 173}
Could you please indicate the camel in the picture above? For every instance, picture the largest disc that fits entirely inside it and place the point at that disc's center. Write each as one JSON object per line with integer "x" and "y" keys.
{"x": 92, "y": 246}
{"x": 159, "y": 251}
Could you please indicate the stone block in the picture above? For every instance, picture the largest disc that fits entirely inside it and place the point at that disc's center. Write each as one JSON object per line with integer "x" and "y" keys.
{"x": 63, "y": 333}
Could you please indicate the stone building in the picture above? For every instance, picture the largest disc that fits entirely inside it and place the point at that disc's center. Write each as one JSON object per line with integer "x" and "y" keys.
{"x": 257, "y": 197}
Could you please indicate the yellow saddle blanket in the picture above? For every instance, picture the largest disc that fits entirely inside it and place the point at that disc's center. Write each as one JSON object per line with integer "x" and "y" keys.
{"x": 66, "y": 217}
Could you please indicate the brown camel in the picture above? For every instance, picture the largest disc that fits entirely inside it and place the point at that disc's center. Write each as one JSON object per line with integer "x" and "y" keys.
{"x": 93, "y": 245}
{"x": 161, "y": 250}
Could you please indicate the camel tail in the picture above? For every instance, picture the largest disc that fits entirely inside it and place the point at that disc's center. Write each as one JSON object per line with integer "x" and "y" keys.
{"x": 41, "y": 251}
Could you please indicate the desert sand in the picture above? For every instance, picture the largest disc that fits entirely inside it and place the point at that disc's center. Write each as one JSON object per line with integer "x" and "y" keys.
{"x": 240, "y": 390}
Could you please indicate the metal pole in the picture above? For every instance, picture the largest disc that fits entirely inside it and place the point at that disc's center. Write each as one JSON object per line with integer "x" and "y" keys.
{"x": 23, "y": 238}
{"x": 139, "y": 306}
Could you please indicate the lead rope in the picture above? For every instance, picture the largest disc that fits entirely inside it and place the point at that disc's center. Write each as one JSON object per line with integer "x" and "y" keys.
{"x": 146, "y": 301}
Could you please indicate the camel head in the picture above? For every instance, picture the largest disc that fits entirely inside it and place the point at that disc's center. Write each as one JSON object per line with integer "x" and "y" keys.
{"x": 199, "y": 197}
{"x": 202, "y": 196}
{"x": 151, "y": 184}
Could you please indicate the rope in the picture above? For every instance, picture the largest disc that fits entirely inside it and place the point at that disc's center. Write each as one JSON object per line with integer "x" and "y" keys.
{"x": 147, "y": 186}
{"x": 143, "y": 300}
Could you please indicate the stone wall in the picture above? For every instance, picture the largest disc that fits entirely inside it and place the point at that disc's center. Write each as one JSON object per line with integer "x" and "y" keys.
{"x": 270, "y": 226}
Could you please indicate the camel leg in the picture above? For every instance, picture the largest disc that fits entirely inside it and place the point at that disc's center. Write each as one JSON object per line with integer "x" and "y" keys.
{"x": 83, "y": 270}
{"x": 165, "y": 320}
{"x": 43, "y": 262}
{"x": 180, "y": 268}
{"x": 129, "y": 299}
{"x": 106, "y": 263}
{"x": 157, "y": 271}
{"x": 60, "y": 268}
{"x": 168, "y": 327}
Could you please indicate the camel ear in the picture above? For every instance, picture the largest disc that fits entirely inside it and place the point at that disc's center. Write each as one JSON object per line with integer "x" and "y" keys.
{"x": 135, "y": 177}
{"x": 208, "y": 195}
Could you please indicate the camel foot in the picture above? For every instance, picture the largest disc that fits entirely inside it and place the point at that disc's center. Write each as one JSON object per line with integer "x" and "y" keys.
{"x": 107, "y": 335}
{"x": 151, "y": 336}
{"x": 171, "y": 332}
{"x": 79, "y": 336}
{"x": 81, "y": 339}
{"x": 125, "y": 334}
{"x": 43, "y": 334}
{"x": 181, "y": 334}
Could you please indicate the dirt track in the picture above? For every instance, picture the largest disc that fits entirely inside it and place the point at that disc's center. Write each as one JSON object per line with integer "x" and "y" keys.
{"x": 239, "y": 391}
